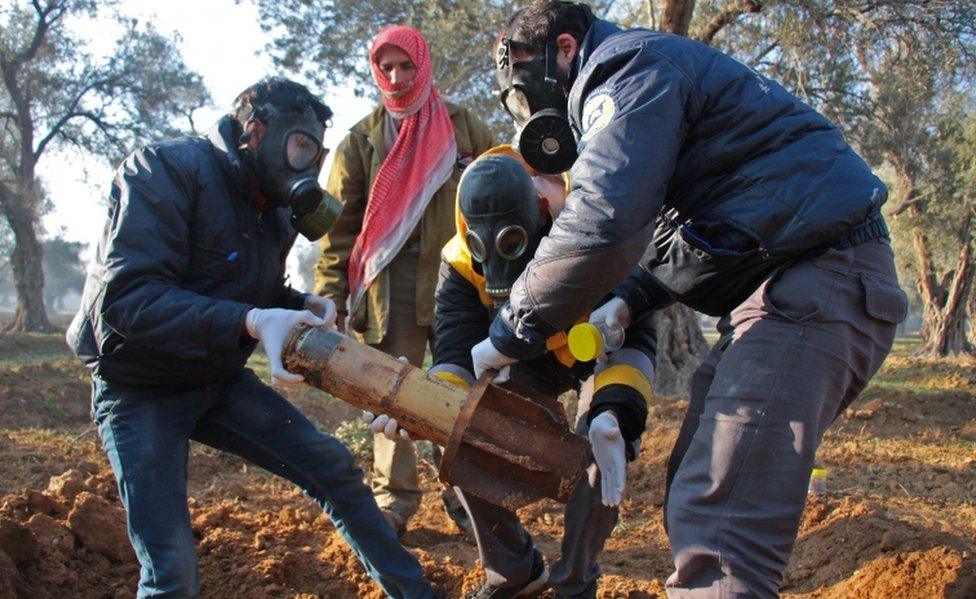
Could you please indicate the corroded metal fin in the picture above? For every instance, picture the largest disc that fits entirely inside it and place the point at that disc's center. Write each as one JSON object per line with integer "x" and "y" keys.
{"x": 512, "y": 451}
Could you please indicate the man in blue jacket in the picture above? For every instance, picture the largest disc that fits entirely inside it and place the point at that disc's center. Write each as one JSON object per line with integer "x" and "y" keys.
{"x": 736, "y": 199}
{"x": 188, "y": 277}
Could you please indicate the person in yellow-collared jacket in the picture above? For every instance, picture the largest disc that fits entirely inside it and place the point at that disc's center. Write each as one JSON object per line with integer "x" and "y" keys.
{"x": 504, "y": 208}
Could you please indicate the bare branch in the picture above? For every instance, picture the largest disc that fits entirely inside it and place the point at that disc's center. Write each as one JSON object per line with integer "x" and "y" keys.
{"x": 757, "y": 59}
{"x": 732, "y": 11}
{"x": 54, "y": 132}
{"x": 908, "y": 203}
{"x": 106, "y": 128}
{"x": 55, "y": 11}
{"x": 70, "y": 113}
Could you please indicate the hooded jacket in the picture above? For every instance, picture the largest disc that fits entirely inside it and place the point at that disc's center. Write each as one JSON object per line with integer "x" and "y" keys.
{"x": 184, "y": 256}
{"x": 710, "y": 172}
{"x": 463, "y": 315}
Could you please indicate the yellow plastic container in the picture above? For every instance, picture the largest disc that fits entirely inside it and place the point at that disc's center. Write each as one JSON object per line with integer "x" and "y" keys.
{"x": 818, "y": 482}
{"x": 588, "y": 341}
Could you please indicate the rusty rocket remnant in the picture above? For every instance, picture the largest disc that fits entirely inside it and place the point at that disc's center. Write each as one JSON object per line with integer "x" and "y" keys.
{"x": 498, "y": 445}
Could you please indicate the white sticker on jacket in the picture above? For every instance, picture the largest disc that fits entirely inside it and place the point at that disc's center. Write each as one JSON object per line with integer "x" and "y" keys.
{"x": 598, "y": 111}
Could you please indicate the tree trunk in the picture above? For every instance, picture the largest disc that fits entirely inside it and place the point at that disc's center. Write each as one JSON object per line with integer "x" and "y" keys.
{"x": 28, "y": 274}
{"x": 971, "y": 316}
{"x": 947, "y": 336}
{"x": 676, "y": 16}
{"x": 681, "y": 347}
{"x": 944, "y": 305}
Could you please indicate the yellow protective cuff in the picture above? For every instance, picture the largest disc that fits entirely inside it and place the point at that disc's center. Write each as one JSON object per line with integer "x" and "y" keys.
{"x": 453, "y": 379}
{"x": 623, "y": 374}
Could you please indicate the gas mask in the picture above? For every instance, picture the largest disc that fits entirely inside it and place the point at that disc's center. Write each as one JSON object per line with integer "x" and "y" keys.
{"x": 287, "y": 164}
{"x": 501, "y": 213}
{"x": 534, "y": 93}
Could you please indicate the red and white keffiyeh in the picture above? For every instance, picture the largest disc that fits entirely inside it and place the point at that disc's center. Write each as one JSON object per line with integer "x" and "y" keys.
{"x": 419, "y": 163}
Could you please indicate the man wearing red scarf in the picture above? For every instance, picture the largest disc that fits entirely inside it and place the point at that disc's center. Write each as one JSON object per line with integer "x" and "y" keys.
{"x": 396, "y": 173}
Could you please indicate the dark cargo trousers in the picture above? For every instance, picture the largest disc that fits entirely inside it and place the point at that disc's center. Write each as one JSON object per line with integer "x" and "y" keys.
{"x": 789, "y": 360}
{"x": 507, "y": 551}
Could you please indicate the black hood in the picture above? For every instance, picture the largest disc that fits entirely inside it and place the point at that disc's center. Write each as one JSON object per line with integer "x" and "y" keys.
{"x": 501, "y": 211}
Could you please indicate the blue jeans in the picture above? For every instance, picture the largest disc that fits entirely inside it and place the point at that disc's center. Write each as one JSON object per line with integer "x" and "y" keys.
{"x": 146, "y": 431}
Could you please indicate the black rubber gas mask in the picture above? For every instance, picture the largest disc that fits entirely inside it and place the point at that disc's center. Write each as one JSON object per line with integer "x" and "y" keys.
{"x": 535, "y": 93}
{"x": 532, "y": 93}
{"x": 501, "y": 211}
{"x": 287, "y": 164}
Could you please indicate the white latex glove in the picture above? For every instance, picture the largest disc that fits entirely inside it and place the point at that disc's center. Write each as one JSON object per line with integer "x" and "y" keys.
{"x": 611, "y": 457}
{"x": 486, "y": 357}
{"x": 385, "y": 425}
{"x": 271, "y": 327}
{"x": 322, "y": 307}
{"x": 616, "y": 311}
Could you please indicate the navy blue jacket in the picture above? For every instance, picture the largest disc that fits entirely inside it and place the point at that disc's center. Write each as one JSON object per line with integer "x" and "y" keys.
{"x": 184, "y": 255}
{"x": 710, "y": 172}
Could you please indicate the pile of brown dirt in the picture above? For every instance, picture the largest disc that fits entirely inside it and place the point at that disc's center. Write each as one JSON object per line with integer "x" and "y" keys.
{"x": 258, "y": 537}
{"x": 68, "y": 540}
{"x": 269, "y": 542}
{"x": 937, "y": 572}
{"x": 71, "y": 539}
{"x": 852, "y": 547}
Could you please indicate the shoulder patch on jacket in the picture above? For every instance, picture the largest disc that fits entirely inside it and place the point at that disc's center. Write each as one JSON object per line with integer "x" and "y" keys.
{"x": 598, "y": 111}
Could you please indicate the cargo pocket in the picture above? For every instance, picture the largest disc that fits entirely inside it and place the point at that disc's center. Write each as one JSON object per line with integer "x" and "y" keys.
{"x": 883, "y": 299}
{"x": 800, "y": 293}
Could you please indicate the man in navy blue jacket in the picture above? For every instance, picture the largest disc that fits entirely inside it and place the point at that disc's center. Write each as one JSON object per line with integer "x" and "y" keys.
{"x": 736, "y": 199}
{"x": 189, "y": 276}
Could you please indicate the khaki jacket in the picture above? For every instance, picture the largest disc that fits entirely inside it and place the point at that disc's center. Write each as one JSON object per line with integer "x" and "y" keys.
{"x": 358, "y": 159}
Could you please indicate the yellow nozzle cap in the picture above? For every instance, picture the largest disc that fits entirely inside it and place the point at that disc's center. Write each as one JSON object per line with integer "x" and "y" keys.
{"x": 819, "y": 473}
{"x": 585, "y": 342}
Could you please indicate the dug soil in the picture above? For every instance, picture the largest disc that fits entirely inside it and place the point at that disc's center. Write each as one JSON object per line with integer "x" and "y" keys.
{"x": 898, "y": 520}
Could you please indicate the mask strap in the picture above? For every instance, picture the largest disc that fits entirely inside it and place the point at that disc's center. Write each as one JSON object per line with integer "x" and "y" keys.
{"x": 552, "y": 52}
{"x": 552, "y": 49}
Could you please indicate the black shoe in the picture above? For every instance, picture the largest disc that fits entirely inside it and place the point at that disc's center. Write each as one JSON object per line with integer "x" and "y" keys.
{"x": 530, "y": 588}
{"x": 588, "y": 593}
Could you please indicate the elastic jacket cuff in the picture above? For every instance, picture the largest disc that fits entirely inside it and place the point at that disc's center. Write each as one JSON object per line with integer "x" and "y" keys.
{"x": 521, "y": 347}
{"x": 625, "y": 389}
{"x": 296, "y": 299}
{"x": 643, "y": 293}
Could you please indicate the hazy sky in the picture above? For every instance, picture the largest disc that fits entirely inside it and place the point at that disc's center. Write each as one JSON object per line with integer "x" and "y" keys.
{"x": 220, "y": 40}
